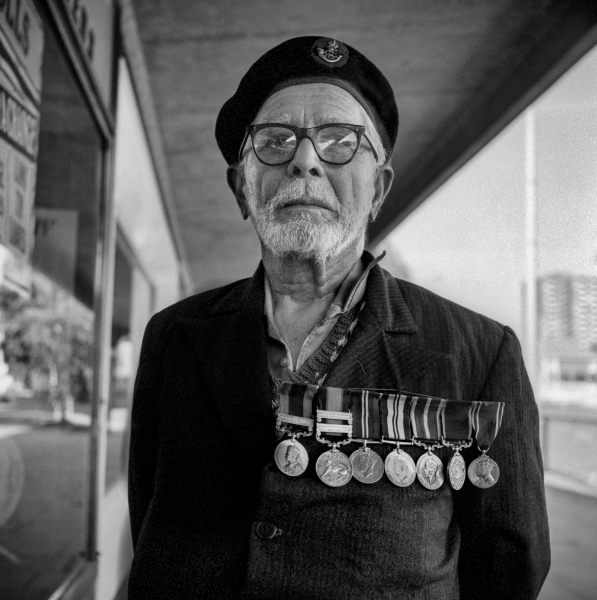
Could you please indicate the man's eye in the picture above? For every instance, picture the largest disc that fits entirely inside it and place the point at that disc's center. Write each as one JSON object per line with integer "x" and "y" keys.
{"x": 279, "y": 140}
{"x": 276, "y": 140}
{"x": 337, "y": 139}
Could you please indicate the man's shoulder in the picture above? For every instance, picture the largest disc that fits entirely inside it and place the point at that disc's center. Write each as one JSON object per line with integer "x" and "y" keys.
{"x": 219, "y": 301}
{"x": 433, "y": 313}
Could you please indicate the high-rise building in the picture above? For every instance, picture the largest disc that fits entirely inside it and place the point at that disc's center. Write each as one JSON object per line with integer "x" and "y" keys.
{"x": 568, "y": 312}
{"x": 584, "y": 312}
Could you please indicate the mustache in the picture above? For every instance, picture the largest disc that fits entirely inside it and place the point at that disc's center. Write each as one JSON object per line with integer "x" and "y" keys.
{"x": 301, "y": 188}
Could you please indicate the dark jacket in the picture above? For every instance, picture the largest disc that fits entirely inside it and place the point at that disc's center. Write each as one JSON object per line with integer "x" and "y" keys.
{"x": 202, "y": 476}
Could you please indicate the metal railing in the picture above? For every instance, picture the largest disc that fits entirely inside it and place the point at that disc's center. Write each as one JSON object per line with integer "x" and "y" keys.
{"x": 569, "y": 442}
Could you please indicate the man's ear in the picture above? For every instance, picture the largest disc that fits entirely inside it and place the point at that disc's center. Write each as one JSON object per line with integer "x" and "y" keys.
{"x": 382, "y": 185}
{"x": 235, "y": 183}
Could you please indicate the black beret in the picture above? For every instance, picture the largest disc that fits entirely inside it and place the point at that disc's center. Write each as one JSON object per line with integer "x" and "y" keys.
{"x": 307, "y": 60}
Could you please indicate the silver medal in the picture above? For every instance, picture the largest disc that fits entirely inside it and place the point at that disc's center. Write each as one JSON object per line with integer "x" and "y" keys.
{"x": 291, "y": 457}
{"x": 334, "y": 468}
{"x": 400, "y": 468}
{"x": 430, "y": 471}
{"x": 483, "y": 472}
{"x": 367, "y": 465}
{"x": 456, "y": 470}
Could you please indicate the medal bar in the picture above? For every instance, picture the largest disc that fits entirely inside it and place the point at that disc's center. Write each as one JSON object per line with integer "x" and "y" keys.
{"x": 334, "y": 414}
{"x": 333, "y": 467}
{"x": 456, "y": 427}
{"x": 294, "y": 419}
{"x": 333, "y": 428}
{"x": 396, "y": 429}
{"x": 367, "y": 465}
{"x": 376, "y": 416}
{"x": 486, "y": 419}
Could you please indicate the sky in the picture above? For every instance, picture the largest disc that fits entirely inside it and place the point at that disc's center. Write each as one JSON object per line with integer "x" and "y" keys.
{"x": 466, "y": 242}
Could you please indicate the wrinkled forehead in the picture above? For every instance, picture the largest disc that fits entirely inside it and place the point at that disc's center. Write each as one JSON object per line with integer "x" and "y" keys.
{"x": 310, "y": 104}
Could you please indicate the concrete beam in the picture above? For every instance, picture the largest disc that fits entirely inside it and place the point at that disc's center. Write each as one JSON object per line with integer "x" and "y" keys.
{"x": 569, "y": 32}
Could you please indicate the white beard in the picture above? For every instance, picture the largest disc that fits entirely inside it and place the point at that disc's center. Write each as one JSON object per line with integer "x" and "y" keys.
{"x": 304, "y": 235}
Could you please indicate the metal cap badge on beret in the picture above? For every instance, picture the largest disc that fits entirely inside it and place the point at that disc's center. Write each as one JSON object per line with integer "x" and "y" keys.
{"x": 307, "y": 60}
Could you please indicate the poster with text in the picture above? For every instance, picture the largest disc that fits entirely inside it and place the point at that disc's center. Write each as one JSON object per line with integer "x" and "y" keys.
{"x": 21, "y": 50}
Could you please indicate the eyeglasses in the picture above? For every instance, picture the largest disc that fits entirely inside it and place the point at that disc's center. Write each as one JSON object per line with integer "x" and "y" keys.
{"x": 334, "y": 143}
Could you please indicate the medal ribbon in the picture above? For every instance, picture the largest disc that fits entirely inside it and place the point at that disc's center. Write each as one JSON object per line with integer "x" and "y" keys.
{"x": 402, "y": 416}
{"x": 395, "y": 417}
{"x": 364, "y": 405}
{"x": 296, "y": 399}
{"x": 457, "y": 424}
{"x": 426, "y": 417}
{"x": 486, "y": 418}
{"x": 334, "y": 400}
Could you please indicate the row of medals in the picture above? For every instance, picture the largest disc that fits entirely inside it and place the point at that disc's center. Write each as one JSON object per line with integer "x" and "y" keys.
{"x": 336, "y": 469}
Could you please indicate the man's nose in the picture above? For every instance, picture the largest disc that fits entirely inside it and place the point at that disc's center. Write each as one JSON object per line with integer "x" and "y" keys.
{"x": 305, "y": 161}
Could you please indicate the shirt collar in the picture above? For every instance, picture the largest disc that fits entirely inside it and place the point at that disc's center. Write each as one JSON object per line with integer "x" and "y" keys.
{"x": 350, "y": 293}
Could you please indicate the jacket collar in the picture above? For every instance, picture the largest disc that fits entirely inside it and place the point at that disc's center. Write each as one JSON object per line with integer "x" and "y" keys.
{"x": 386, "y": 352}
{"x": 382, "y": 296}
{"x": 385, "y": 301}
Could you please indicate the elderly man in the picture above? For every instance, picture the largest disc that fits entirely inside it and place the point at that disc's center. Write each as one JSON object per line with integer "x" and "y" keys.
{"x": 308, "y": 137}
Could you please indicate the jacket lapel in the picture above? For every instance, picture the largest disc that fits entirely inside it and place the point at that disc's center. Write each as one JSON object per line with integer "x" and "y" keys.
{"x": 384, "y": 351}
{"x": 232, "y": 356}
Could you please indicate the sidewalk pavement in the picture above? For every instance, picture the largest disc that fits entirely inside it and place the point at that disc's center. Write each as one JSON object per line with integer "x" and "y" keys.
{"x": 573, "y": 533}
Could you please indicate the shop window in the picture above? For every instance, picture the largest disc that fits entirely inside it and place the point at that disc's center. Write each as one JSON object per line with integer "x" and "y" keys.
{"x": 122, "y": 367}
{"x": 46, "y": 369}
{"x": 133, "y": 305}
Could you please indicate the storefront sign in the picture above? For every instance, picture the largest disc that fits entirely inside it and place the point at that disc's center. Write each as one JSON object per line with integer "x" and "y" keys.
{"x": 21, "y": 49}
{"x": 22, "y": 41}
{"x": 93, "y": 24}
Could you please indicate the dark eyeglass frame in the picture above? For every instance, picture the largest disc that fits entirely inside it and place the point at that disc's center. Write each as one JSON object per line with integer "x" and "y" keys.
{"x": 301, "y": 133}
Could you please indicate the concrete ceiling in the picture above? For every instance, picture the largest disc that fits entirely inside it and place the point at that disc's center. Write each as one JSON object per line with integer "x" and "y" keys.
{"x": 461, "y": 70}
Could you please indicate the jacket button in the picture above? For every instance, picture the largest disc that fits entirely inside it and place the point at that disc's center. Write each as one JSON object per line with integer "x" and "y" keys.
{"x": 266, "y": 530}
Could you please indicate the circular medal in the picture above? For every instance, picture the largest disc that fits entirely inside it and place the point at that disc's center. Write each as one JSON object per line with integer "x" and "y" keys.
{"x": 483, "y": 472}
{"x": 291, "y": 457}
{"x": 334, "y": 468}
{"x": 367, "y": 466}
{"x": 430, "y": 471}
{"x": 456, "y": 470}
{"x": 400, "y": 468}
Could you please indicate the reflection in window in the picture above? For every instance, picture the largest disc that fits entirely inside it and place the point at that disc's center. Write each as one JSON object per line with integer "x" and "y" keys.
{"x": 48, "y": 349}
{"x": 123, "y": 367}
{"x": 133, "y": 306}
{"x": 46, "y": 370}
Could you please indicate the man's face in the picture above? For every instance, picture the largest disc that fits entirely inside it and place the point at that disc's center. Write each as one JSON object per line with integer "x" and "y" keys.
{"x": 307, "y": 207}
{"x": 399, "y": 467}
{"x": 292, "y": 453}
{"x": 430, "y": 469}
{"x": 483, "y": 468}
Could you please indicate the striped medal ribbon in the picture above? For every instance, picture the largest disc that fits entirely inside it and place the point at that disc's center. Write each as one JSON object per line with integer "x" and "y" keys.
{"x": 396, "y": 428}
{"x": 425, "y": 416}
{"x": 486, "y": 419}
{"x": 333, "y": 418}
{"x": 367, "y": 465}
{"x": 294, "y": 418}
